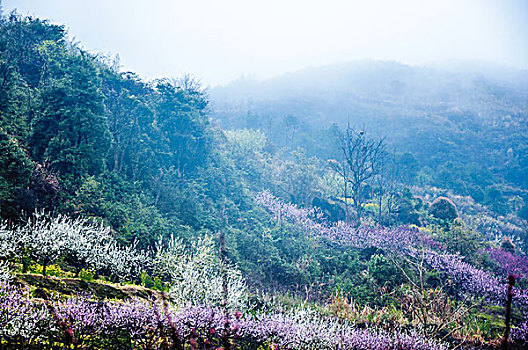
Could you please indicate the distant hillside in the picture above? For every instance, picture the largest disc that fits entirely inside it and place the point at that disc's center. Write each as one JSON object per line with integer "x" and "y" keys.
{"x": 465, "y": 124}
{"x": 386, "y": 87}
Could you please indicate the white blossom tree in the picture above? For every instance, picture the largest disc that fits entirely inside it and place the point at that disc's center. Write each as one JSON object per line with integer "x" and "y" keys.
{"x": 198, "y": 274}
{"x": 84, "y": 243}
{"x": 45, "y": 238}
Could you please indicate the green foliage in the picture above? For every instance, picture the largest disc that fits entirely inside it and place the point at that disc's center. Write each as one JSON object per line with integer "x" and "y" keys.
{"x": 15, "y": 173}
{"x": 153, "y": 282}
{"x": 384, "y": 272}
{"x": 507, "y": 245}
{"x": 87, "y": 275}
{"x": 408, "y": 166}
{"x": 464, "y": 240}
{"x": 408, "y": 208}
{"x": 184, "y": 139}
{"x": 444, "y": 209}
{"x": 70, "y": 131}
{"x": 51, "y": 270}
{"x": 19, "y": 43}
{"x": 14, "y": 96}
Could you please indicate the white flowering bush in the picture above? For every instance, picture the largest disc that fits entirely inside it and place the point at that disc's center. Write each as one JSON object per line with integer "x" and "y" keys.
{"x": 46, "y": 239}
{"x": 84, "y": 243}
{"x": 12, "y": 242}
{"x": 5, "y": 273}
{"x": 122, "y": 262}
{"x": 198, "y": 274}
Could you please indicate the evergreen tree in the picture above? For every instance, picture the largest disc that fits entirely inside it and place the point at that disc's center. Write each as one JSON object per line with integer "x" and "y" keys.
{"x": 70, "y": 130}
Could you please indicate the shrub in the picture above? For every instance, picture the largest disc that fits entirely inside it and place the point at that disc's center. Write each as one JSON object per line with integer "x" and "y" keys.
{"x": 384, "y": 271}
{"x": 87, "y": 275}
{"x": 443, "y": 208}
{"x": 507, "y": 245}
{"x": 198, "y": 275}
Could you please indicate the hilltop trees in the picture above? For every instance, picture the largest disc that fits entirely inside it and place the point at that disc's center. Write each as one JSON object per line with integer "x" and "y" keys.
{"x": 70, "y": 120}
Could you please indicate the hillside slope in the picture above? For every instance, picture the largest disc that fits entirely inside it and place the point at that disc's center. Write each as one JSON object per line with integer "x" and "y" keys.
{"x": 464, "y": 127}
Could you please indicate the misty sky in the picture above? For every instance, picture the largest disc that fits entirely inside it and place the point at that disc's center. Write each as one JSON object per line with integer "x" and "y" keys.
{"x": 218, "y": 40}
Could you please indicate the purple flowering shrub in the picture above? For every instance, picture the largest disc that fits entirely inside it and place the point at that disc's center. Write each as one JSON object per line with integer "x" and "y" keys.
{"x": 22, "y": 320}
{"x": 398, "y": 240}
{"x": 513, "y": 264}
{"x": 509, "y": 263}
{"x": 520, "y": 334}
{"x": 462, "y": 279}
{"x": 81, "y": 322}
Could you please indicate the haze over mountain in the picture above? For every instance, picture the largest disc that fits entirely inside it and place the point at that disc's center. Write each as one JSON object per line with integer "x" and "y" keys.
{"x": 464, "y": 85}
{"x": 218, "y": 41}
{"x": 459, "y": 117}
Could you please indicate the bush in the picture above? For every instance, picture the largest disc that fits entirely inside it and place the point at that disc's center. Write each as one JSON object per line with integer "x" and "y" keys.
{"x": 507, "y": 245}
{"x": 444, "y": 209}
{"x": 384, "y": 272}
{"x": 87, "y": 275}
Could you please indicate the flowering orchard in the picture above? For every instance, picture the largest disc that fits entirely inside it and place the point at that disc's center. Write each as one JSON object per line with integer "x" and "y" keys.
{"x": 81, "y": 322}
{"x": 194, "y": 273}
{"x": 462, "y": 279}
{"x": 199, "y": 314}
{"x": 207, "y": 306}
{"x": 86, "y": 243}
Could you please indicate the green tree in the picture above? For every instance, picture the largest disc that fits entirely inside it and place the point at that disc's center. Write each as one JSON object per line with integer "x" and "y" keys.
{"x": 408, "y": 167}
{"x": 15, "y": 173}
{"x": 15, "y": 99}
{"x": 184, "y": 138}
{"x": 300, "y": 176}
{"x": 444, "y": 209}
{"x": 130, "y": 115}
{"x": 20, "y": 40}
{"x": 70, "y": 130}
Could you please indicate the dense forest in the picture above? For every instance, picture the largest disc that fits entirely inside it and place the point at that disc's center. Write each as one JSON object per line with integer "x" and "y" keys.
{"x": 360, "y": 206}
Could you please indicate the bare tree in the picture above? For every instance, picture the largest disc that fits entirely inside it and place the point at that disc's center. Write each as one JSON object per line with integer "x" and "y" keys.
{"x": 386, "y": 188}
{"x": 189, "y": 84}
{"x": 362, "y": 162}
{"x": 341, "y": 171}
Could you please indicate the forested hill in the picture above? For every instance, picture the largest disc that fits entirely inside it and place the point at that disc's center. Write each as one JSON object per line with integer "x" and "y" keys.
{"x": 462, "y": 126}
{"x": 80, "y": 137}
{"x": 457, "y": 84}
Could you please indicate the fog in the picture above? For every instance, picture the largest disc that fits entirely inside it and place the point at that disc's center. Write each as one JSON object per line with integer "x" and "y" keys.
{"x": 218, "y": 41}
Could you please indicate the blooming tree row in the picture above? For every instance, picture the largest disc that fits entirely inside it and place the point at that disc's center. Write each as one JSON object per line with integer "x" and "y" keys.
{"x": 400, "y": 239}
{"x": 85, "y": 243}
{"x": 81, "y": 322}
{"x": 466, "y": 279}
{"x": 194, "y": 273}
